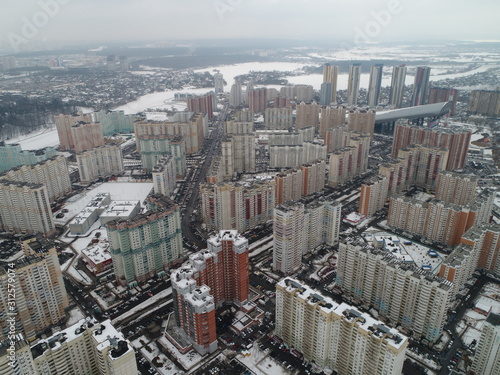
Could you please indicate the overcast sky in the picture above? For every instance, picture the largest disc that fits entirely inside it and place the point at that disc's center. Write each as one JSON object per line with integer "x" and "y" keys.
{"x": 130, "y": 20}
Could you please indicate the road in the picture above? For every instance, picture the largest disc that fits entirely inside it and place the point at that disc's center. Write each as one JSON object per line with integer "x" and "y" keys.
{"x": 212, "y": 144}
{"x": 460, "y": 311}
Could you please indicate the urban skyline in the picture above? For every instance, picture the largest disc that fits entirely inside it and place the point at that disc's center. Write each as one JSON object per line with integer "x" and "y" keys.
{"x": 224, "y": 207}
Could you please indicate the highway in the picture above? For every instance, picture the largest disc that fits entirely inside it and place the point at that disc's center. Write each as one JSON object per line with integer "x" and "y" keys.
{"x": 211, "y": 147}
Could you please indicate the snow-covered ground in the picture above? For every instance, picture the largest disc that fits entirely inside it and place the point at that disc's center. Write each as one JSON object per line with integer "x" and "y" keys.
{"x": 40, "y": 139}
{"x": 79, "y": 275}
{"x": 188, "y": 360}
{"x": 160, "y": 100}
{"x": 231, "y": 71}
{"x": 261, "y": 364}
{"x": 75, "y": 315}
{"x": 159, "y": 360}
{"x": 143, "y": 306}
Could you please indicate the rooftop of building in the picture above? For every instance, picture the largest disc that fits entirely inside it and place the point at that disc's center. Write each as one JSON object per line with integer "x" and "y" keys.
{"x": 20, "y": 184}
{"x": 348, "y": 312}
{"x": 228, "y": 235}
{"x": 422, "y": 111}
{"x": 493, "y": 319}
{"x": 120, "y": 209}
{"x": 104, "y": 334}
{"x": 97, "y": 254}
{"x": 397, "y": 261}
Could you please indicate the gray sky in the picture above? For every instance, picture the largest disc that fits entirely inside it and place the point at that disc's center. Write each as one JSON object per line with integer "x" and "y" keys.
{"x": 129, "y": 20}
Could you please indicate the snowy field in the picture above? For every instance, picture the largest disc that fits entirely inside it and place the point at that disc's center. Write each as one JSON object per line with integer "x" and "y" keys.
{"x": 40, "y": 139}
{"x": 231, "y": 71}
{"x": 159, "y": 100}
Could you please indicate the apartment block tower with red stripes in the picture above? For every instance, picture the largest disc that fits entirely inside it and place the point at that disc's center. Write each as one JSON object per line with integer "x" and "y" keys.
{"x": 209, "y": 279}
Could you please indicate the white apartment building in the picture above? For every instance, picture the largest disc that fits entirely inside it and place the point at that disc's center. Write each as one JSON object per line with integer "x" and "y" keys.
{"x": 288, "y": 245}
{"x": 164, "y": 179}
{"x": 487, "y": 358}
{"x": 40, "y": 293}
{"x": 299, "y": 229}
{"x": 278, "y": 118}
{"x": 100, "y": 162}
{"x": 87, "y": 347}
{"x": 53, "y": 173}
{"x": 402, "y": 293}
{"x": 336, "y": 336}
{"x": 25, "y": 208}
{"x": 236, "y": 205}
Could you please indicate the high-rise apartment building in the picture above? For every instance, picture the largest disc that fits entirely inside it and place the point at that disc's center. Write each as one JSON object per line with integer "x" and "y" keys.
{"x": 438, "y": 221}
{"x": 485, "y": 239}
{"x": 397, "y": 86}
{"x": 373, "y": 195}
{"x": 353, "y": 84}
{"x": 64, "y": 124}
{"x": 236, "y": 95}
{"x": 307, "y": 115}
{"x": 164, "y": 181}
{"x": 53, "y": 173}
{"x": 361, "y": 121}
{"x": 289, "y": 185}
{"x": 487, "y": 357}
{"x": 337, "y": 138}
{"x": 88, "y": 347}
{"x": 288, "y": 243}
{"x": 25, "y": 208}
{"x": 440, "y": 95}
{"x": 240, "y": 123}
{"x": 376, "y": 73}
{"x": 455, "y": 139}
{"x": 339, "y": 337}
{"x": 278, "y": 118}
{"x": 282, "y": 102}
{"x": 484, "y": 102}
{"x": 395, "y": 171}
{"x": 147, "y": 244}
{"x": 204, "y": 104}
{"x": 238, "y": 154}
{"x": 456, "y": 188}
{"x": 257, "y": 99}
{"x": 299, "y": 229}
{"x": 420, "y": 86}
{"x": 397, "y": 290}
{"x": 86, "y": 135}
{"x": 292, "y": 156}
{"x": 322, "y": 219}
{"x": 11, "y": 156}
{"x": 330, "y": 75}
{"x": 100, "y": 162}
{"x": 291, "y": 137}
{"x": 192, "y": 128}
{"x": 303, "y": 93}
{"x": 331, "y": 117}
{"x": 313, "y": 177}
{"x": 209, "y": 279}
{"x": 115, "y": 122}
{"x": 236, "y": 205}
{"x": 40, "y": 294}
{"x": 349, "y": 162}
{"x": 424, "y": 164}
{"x": 155, "y": 147}
{"x": 326, "y": 93}
{"x": 218, "y": 82}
